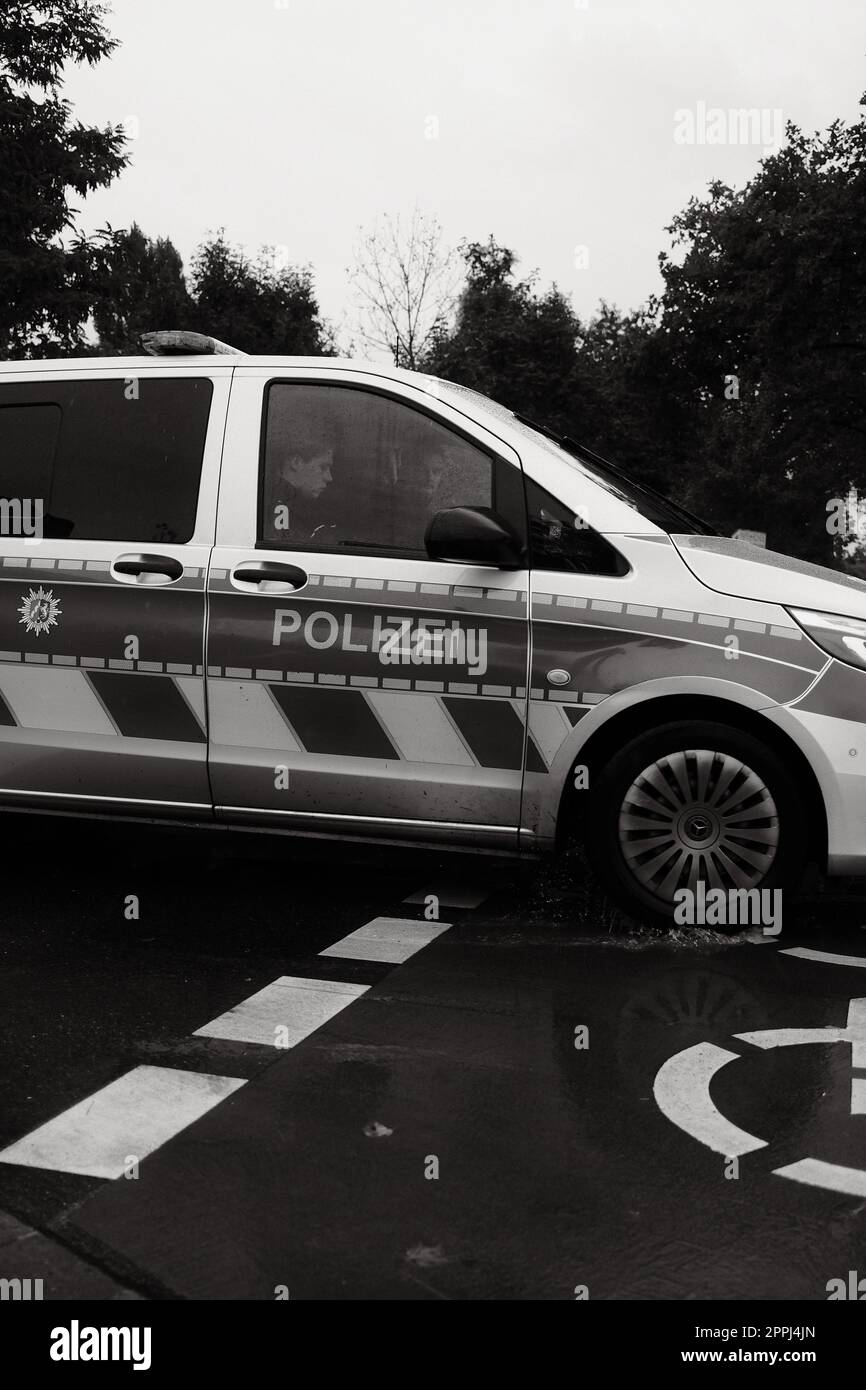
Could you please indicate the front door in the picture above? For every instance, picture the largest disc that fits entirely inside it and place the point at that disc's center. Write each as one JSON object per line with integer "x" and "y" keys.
{"x": 108, "y": 510}
{"x": 353, "y": 684}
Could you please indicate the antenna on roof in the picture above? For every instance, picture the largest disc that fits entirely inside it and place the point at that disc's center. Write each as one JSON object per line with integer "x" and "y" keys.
{"x": 178, "y": 342}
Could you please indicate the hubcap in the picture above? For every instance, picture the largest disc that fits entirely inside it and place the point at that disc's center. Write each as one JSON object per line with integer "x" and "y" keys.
{"x": 695, "y": 816}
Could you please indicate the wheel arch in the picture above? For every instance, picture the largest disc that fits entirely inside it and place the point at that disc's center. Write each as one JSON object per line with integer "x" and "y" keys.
{"x": 637, "y": 718}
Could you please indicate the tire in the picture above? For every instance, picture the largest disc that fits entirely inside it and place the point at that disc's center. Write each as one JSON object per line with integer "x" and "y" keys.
{"x": 724, "y": 805}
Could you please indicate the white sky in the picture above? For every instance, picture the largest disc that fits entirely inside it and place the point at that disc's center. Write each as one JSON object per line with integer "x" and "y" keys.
{"x": 293, "y": 121}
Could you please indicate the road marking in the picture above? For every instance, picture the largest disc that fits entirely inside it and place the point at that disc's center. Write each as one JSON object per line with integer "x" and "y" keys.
{"x": 817, "y": 1173}
{"x": 793, "y": 1037}
{"x": 826, "y": 956}
{"x": 123, "y": 1122}
{"x": 854, "y": 1032}
{"x": 682, "y": 1092}
{"x": 389, "y": 939}
{"x": 451, "y": 895}
{"x": 284, "y": 1012}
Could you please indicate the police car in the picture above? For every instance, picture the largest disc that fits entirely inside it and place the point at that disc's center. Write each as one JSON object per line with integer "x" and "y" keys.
{"x": 336, "y": 599}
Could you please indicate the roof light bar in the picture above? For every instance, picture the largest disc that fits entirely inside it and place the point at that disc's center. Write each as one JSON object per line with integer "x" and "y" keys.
{"x": 177, "y": 342}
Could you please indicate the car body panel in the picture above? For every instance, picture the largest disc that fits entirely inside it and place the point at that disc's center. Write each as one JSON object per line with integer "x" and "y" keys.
{"x": 83, "y": 723}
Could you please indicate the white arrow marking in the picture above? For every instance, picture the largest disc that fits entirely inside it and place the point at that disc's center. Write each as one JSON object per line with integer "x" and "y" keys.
{"x": 682, "y": 1092}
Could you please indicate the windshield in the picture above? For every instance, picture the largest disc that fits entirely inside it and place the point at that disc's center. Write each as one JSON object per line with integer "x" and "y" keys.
{"x": 652, "y": 505}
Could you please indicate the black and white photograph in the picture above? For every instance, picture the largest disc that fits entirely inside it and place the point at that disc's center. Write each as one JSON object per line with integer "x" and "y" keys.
{"x": 446, "y": 880}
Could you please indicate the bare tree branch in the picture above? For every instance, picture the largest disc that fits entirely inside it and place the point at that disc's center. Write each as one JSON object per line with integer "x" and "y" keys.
{"x": 405, "y": 283}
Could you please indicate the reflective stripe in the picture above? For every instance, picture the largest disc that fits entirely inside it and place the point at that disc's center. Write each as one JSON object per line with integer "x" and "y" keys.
{"x": 6, "y": 716}
{"x": 146, "y": 706}
{"x": 52, "y": 697}
{"x": 244, "y": 714}
{"x": 491, "y": 729}
{"x": 549, "y": 726}
{"x": 193, "y": 692}
{"x": 419, "y": 727}
{"x": 334, "y": 721}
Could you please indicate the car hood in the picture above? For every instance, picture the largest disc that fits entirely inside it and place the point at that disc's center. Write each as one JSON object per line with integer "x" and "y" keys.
{"x": 748, "y": 571}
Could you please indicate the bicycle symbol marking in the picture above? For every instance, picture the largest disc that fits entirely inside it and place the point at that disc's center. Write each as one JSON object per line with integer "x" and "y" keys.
{"x": 682, "y": 1093}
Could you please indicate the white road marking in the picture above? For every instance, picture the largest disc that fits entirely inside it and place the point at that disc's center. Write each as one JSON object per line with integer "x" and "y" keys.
{"x": 124, "y": 1121}
{"x": 816, "y": 1173}
{"x": 244, "y": 713}
{"x": 854, "y": 1032}
{"x": 450, "y": 895}
{"x": 389, "y": 939}
{"x": 827, "y": 956}
{"x": 419, "y": 727}
{"x": 284, "y": 1012}
{"x": 682, "y": 1092}
{"x": 793, "y": 1037}
{"x": 51, "y": 697}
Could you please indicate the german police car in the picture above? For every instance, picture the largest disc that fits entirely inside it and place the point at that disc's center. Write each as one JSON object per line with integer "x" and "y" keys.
{"x": 336, "y": 599}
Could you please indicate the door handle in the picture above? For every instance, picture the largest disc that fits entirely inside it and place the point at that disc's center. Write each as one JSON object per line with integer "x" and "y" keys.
{"x": 268, "y": 577}
{"x": 147, "y": 569}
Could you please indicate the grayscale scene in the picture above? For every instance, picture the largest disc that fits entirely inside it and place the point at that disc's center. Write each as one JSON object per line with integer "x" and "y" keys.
{"x": 446, "y": 879}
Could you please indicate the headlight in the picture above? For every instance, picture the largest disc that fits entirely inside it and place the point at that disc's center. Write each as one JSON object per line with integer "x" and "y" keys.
{"x": 844, "y": 638}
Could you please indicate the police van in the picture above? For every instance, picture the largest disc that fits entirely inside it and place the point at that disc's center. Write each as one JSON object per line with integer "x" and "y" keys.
{"x": 337, "y": 599}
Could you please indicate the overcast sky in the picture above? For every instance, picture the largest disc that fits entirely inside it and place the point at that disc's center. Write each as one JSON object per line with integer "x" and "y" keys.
{"x": 550, "y": 123}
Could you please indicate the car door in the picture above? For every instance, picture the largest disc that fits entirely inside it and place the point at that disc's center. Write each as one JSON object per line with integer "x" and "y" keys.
{"x": 109, "y": 495}
{"x": 353, "y": 684}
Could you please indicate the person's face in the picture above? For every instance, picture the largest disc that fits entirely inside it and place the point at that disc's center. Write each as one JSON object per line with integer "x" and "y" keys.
{"x": 309, "y": 476}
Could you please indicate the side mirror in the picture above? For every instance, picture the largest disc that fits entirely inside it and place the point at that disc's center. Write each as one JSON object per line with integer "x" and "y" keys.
{"x": 475, "y": 535}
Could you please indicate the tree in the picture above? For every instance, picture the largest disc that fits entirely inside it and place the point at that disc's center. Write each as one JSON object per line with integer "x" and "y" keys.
{"x": 50, "y": 273}
{"x": 405, "y": 281}
{"x": 145, "y": 289}
{"x": 762, "y": 319}
{"x": 257, "y": 306}
{"x": 509, "y": 341}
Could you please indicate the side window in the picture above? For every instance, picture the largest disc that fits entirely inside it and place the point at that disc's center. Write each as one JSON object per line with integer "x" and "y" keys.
{"x": 28, "y": 440}
{"x": 109, "y": 460}
{"x": 559, "y": 540}
{"x": 346, "y": 468}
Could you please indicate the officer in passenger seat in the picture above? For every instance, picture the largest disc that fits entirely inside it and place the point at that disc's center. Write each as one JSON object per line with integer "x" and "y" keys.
{"x": 304, "y": 475}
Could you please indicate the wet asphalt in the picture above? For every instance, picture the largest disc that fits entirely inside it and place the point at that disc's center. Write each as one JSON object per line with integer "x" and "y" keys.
{"x": 480, "y": 1124}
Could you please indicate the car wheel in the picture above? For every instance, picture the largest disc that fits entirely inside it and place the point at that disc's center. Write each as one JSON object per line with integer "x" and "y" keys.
{"x": 689, "y": 803}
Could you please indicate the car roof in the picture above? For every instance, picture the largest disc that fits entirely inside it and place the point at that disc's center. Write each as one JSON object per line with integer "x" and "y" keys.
{"x": 39, "y": 366}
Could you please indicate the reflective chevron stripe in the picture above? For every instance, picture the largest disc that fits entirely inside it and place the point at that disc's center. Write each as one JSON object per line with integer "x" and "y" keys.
{"x": 146, "y": 706}
{"x": 51, "y": 697}
{"x": 376, "y": 724}
{"x": 80, "y": 701}
{"x": 420, "y": 728}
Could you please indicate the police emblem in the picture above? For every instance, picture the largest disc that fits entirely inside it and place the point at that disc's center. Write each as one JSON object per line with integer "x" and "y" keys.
{"x": 39, "y": 611}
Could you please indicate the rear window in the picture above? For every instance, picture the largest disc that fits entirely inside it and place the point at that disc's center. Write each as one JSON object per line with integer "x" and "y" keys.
{"x": 115, "y": 460}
